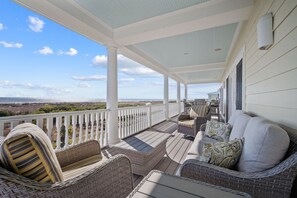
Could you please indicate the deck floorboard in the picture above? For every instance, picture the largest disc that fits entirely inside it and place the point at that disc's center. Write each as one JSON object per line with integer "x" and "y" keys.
{"x": 176, "y": 149}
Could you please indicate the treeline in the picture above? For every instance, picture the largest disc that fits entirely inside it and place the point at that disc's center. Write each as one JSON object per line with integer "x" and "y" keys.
{"x": 49, "y": 108}
{"x": 62, "y": 107}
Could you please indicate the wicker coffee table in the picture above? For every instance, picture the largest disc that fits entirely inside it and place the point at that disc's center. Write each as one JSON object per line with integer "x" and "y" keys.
{"x": 161, "y": 185}
{"x": 144, "y": 150}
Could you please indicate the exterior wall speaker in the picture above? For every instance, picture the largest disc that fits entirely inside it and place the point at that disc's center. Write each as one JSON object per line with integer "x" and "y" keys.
{"x": 265, "y": 32}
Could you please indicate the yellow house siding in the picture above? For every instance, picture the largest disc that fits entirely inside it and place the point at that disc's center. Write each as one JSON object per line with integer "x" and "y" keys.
{"x": 271, "y": 75}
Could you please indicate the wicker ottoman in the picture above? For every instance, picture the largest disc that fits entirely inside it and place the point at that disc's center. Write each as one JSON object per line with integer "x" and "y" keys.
{"x": 144, "y": 150}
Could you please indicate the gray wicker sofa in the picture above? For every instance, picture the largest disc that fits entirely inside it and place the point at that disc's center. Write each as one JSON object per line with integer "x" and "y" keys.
{"x": 276, "y": 181}
{"x": 110, "y": 178}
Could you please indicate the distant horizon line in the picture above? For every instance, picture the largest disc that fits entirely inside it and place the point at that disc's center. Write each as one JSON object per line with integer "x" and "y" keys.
{"x": 7, "y": 100}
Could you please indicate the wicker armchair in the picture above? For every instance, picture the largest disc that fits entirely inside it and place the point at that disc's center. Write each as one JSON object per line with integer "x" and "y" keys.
{"x": 275, "y": 182}
{"x": 192, "y": 126}
{"x": 111, "y": 178}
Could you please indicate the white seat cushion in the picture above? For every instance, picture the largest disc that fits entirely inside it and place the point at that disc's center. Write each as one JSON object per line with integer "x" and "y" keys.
{"x": 265, "y": 145}
{"x": 239, "y": 126}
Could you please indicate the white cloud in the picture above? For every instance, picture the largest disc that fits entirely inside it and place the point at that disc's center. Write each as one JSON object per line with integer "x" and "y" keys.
{"x": 51, "y": 89}
{"x": 36, "y": 24}
{"x": 99, "y": 60}
{"x": 84, "y": 85}
{"x": 70, "y": 52}
{"x": 45, "y": 50}
{"x": 11, "y": 45}
{"x": 90, "y": 78}
{"x": 1, "y": 26}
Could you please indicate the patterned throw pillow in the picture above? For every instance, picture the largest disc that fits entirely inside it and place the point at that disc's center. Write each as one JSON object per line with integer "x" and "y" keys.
{"x": 193, "y": 114}
{"x": 28, "y": 151}
{"x": 218, "y": 130}
{"x": 224, "y": 154}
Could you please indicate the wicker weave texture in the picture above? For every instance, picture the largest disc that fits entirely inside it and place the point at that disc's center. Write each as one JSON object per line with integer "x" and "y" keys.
{"x": 275, "y": 182}
{"x": 112, "y": 178}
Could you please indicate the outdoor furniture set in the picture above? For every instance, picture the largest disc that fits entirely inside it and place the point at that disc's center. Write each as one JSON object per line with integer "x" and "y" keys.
{"x": 264, "y": 166}
{"x": 31, "y": 168}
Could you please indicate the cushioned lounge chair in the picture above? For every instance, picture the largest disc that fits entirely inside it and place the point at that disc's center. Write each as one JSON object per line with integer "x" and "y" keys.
{"x": 82, "y": 176}
{"x": 188, "y": 125}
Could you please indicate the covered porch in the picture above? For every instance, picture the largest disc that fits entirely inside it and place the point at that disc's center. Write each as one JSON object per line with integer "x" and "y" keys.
{"x": 191, "y": 42}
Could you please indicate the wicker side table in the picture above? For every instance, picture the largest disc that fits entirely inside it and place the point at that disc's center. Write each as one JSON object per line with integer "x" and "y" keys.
{"x": 161, "y": 185}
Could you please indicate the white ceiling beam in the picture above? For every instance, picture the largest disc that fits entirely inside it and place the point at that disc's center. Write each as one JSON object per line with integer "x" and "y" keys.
{"x": 86, "y": 24}
{"x": 203, "y": 81}
{"x": 195, "y": 18}
{"x": 198, "y": 68}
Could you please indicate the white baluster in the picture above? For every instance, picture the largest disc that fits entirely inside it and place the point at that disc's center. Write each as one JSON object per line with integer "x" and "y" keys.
{"x": 74, "y": 129}
{"x": 125, "y": 123}
{"x": 66, "y": 124}
{"x": 129, "y": 122}
{"x": 49, "y": 127}
{"x": 87, "y": 126}
{"x": 120, "y": 124}
{"x": 80, "y": 127}
{"x": 106, "y": 131}
{"x": 97, "y": 125}
{"x": 92, "y": 126}
{"x": 101, "y": 129}
{"x": 39, "y": 122}
{"x": 58, "y": 127}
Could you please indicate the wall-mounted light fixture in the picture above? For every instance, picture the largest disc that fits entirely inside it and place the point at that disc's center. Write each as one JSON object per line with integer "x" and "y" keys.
{"x": 265, "y": 32}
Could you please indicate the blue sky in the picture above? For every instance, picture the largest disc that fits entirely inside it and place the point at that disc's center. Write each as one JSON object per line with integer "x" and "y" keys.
{"x": 42, "y": 59}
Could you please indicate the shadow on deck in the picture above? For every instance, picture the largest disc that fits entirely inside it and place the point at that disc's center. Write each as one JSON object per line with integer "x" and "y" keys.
{"x": 176, "y": 149}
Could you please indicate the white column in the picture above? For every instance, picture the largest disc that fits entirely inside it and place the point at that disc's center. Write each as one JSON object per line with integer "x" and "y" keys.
{"x": 186, "y": 91}
{"x": 112, "y": 95}
{"x": 166, "y": 97}
{"x": 178, "y": 96}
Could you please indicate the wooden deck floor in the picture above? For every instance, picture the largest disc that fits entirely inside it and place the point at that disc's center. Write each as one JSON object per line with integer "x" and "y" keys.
{"x": 176, "y": 149}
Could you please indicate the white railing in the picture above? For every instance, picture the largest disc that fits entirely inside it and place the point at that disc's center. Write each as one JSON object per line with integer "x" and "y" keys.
{"x": 157, "y": 113}
{"x": 173, "y": 109}
{"x": 66, "y": 128}
{"x": 69, "y": 128}
{"x": 132, "y": 120}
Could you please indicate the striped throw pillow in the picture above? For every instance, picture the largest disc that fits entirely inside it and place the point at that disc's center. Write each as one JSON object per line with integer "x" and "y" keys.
{"x": 28, "y": 151}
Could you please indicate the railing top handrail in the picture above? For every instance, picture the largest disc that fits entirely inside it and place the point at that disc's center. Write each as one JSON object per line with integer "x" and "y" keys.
{"x": 49, "y": 115}
{"x": 136, "y": 107}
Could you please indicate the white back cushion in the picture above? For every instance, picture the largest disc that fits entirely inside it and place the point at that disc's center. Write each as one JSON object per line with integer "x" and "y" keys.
{"x": 265, "y": 145}
{"x": 239, "y": 126}
{"x": 234, "y": 116}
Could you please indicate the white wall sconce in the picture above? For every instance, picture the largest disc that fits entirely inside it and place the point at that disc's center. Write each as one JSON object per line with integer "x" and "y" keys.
{"x": 265, "y": 32}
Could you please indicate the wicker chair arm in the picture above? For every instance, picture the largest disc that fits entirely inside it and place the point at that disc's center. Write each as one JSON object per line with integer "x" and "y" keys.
{"x": 182, "y": 117}
{"x": 112, "y": 178}
{"x": 78, "y": 152}
{"x": 268, "y": 183}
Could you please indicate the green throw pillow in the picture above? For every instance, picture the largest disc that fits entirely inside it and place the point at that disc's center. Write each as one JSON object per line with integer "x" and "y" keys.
{"x": 224, "y": 154}
{"x": 218, "y": 130}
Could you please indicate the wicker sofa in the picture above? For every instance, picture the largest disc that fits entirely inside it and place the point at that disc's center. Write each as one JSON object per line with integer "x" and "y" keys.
{"x": 277, "y": 181}
{"x": 107, "y": 178}
{"x": 190, "y": 126}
